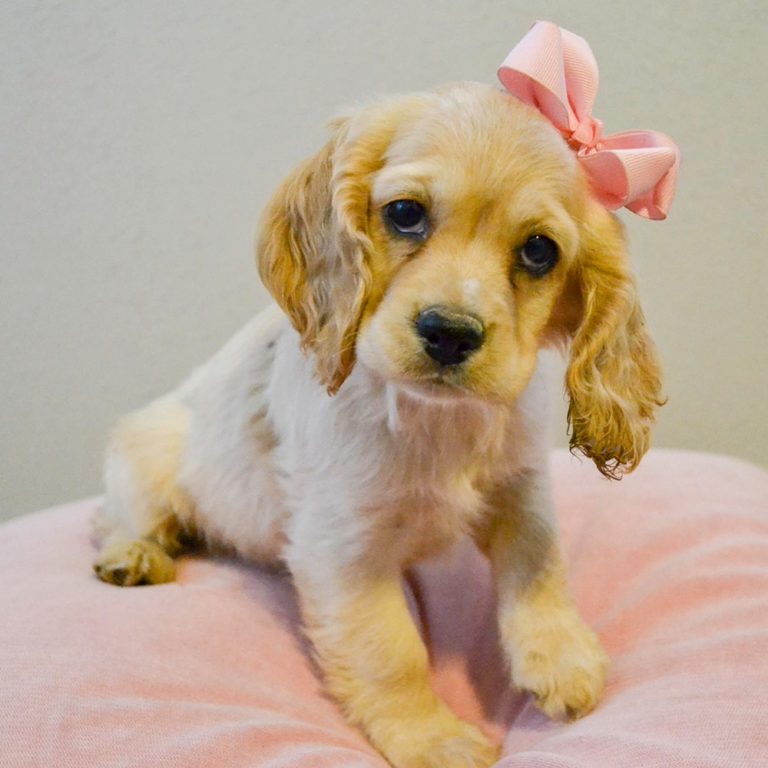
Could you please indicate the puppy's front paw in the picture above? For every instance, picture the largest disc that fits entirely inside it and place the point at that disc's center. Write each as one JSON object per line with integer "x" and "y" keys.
{"x": 561, "y": 663}
{"x": 444, "y": 741}
{"x": 131, "y": 562}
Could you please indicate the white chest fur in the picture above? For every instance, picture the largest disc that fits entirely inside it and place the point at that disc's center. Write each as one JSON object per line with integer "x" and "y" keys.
{"x": 276, "y": 460}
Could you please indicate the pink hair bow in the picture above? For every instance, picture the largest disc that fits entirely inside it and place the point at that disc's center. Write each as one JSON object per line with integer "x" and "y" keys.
{"x": 556, "y": 72}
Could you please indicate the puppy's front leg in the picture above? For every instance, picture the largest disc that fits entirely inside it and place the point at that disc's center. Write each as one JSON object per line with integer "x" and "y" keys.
{"x": 553, "y": 654}
{"x": 375, "y": 664}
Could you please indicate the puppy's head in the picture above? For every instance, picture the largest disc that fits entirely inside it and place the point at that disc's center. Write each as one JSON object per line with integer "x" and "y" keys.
{"x": 441, "y": 240}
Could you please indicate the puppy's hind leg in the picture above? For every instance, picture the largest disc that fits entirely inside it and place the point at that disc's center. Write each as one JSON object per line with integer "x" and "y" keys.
{"x": 145, "y": 512}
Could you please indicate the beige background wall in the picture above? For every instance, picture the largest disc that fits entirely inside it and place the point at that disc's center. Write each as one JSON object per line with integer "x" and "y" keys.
{"x": 139, "y": 140}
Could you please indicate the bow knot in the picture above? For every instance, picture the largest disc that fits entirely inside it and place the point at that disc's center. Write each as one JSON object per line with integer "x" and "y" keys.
{"x": 587, "y": 135}
{"x": 555, "y": 71}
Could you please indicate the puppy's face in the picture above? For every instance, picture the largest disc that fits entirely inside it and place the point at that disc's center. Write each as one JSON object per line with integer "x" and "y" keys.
{"x": 473, "y": 222}
{"x": 440, "y": 240}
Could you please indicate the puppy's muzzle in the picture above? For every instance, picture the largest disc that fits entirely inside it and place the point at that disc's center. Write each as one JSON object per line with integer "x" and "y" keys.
{"x": 449, "y": 337}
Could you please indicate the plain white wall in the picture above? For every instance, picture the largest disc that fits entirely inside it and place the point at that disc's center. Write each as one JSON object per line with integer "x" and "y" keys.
{"x": 140, "y": 139}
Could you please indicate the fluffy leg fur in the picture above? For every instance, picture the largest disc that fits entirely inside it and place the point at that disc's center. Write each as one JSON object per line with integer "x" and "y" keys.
{"x": 376, "y": 666}
{"x": 552, "y": 653}
{"x": 145, "y": 513}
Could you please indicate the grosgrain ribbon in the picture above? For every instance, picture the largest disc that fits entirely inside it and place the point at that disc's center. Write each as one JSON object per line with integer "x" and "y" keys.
{"x": 555, "y": 71}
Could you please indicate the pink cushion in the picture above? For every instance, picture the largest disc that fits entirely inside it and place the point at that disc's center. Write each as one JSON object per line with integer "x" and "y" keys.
{"x": 670, "y": 566}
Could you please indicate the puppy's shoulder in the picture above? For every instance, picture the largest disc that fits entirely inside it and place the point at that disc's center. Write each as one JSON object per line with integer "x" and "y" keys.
{"x": 244, "y": 362}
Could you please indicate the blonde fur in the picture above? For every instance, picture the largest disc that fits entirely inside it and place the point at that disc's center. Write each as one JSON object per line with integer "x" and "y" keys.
{"x": 614, "y": 379}
{"x": 322, "y": 436}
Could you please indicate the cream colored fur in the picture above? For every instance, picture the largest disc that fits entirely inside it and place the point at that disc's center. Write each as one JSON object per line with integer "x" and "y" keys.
{"x": 323, "y": 437}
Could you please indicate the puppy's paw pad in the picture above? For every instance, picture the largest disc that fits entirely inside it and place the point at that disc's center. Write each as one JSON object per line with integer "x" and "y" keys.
{"x": 564, "y": 669}
{"x": 130, "y": 563}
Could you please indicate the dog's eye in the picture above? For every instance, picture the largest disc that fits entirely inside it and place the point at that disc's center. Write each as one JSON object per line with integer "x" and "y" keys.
{"x": 407, "y": 217}
{"x": 539, "y": 255}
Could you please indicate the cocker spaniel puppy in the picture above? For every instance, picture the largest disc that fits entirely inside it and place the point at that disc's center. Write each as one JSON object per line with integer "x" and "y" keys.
{"x": 390, "y": 403}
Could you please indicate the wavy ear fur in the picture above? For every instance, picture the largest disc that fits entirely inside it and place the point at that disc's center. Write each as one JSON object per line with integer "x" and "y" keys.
{"x": 614, "y": 377}
{"x": 313, "y": 255}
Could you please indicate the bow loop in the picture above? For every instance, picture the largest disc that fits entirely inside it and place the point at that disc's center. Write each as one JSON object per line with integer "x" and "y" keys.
{"x": 555, "y": 71}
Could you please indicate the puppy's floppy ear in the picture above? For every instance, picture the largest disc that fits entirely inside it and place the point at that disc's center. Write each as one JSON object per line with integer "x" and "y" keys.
{"x": 614, "y": 377}
{"x": 313, "y": 254}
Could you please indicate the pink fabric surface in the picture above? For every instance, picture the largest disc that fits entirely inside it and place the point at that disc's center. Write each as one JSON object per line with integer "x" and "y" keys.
{"x": 670, "y": 566}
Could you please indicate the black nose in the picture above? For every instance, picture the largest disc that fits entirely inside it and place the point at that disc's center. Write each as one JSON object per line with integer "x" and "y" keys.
{"x": 449, "y": 337}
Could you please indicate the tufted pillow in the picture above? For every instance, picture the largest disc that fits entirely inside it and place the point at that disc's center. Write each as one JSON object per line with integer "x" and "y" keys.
{"x": 670, "y": 566}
